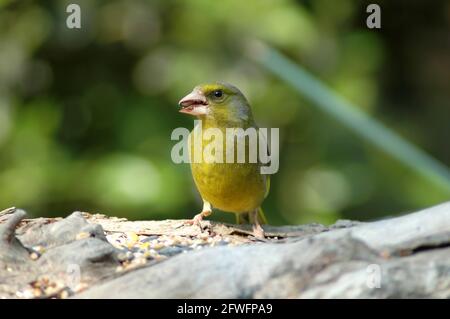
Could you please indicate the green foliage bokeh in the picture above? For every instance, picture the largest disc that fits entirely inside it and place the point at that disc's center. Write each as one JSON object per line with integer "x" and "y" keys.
{"x": 86, "y": 115}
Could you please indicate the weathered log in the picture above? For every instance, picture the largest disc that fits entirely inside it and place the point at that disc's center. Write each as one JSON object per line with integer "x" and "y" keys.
{"x": 95, "y": 256}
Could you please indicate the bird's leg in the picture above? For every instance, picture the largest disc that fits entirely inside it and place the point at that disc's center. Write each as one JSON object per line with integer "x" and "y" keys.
{"x": 206, "y": 211}
{"x": 258, "y": 231}
{"x": 241, "y": 218}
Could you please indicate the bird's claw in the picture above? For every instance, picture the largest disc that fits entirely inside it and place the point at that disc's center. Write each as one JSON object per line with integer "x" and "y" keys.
{"x": 258, "y": 232}
{"x": 197, "y": 220}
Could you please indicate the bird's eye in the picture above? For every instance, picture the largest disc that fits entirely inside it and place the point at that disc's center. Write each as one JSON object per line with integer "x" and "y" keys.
{"x": 218, "y": 93}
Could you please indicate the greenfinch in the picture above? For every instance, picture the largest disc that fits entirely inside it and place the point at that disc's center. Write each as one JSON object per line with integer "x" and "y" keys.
{"x": 234, "y": 187}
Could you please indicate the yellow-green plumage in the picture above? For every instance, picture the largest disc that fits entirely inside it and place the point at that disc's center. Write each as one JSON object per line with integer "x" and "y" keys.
{"x": 230, "y": 187}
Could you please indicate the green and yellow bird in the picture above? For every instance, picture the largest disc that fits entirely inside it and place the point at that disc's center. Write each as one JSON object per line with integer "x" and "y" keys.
{"x": 238, "y": 188}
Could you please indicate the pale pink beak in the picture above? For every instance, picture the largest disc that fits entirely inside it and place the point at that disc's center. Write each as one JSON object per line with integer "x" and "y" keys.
{"x": 194, "y": 103}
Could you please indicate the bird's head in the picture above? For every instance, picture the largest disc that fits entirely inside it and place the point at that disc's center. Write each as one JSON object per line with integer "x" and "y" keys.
{"x": 216, "y": 100}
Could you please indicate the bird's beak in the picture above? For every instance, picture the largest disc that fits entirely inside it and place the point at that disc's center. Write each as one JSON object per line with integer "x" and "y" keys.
{"x": 194, "y": 103}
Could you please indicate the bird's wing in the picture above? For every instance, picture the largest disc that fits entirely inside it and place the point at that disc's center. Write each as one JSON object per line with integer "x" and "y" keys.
{"x": 267, "y": 185}
{"x": 267, "y": 176}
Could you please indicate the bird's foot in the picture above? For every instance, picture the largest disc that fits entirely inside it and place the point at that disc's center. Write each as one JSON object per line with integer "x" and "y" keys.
{"x": 258, "y": 231}
{"x": 197, "y": 220}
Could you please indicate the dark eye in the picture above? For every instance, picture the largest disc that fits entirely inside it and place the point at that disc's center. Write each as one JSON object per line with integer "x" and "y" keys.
{"x": 218, "y": 93}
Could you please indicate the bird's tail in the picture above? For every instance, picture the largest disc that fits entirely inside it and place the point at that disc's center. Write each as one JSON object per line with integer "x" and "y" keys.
{"x": 261, "y": 216}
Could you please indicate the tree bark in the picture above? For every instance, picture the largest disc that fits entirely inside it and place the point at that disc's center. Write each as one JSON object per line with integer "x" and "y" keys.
{"x": 95, "y": 256}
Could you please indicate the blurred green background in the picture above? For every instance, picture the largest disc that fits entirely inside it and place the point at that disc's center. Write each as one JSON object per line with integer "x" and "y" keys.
{"x": 86, "y": 115}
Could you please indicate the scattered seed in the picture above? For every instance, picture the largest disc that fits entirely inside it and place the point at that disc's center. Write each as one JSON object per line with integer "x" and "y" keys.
{"x": 82, "y": 235}
{"x": 34, "y": 255}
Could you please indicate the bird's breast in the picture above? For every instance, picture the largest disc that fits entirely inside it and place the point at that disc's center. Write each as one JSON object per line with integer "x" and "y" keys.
{"x": 227, "y": 185}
